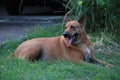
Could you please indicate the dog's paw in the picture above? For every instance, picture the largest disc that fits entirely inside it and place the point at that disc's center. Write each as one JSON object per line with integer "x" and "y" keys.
{"x": 108, "y": 65}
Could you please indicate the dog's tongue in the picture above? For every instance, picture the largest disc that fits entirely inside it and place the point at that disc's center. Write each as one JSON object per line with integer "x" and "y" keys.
{"x": 68, "y": 42}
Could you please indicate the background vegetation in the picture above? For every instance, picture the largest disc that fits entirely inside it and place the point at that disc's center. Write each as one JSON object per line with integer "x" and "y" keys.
{"x": 15, "y": 69}
{"x": 101, "y": 15}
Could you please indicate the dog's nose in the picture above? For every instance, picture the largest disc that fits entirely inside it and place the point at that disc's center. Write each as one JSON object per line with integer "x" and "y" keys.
{"x": 66, "y": 34}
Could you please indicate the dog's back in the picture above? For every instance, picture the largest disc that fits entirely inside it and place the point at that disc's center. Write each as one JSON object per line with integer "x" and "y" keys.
{"x": 48, "y": 49}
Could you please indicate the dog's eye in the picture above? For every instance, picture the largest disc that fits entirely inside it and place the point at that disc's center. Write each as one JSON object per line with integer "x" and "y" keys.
{"x": 73, "y": 27}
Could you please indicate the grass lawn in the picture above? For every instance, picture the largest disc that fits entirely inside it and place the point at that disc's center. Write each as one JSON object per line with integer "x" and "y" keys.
{"x": 16, "y": 69}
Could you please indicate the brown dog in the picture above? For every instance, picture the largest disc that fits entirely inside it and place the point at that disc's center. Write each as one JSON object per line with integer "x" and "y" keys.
{"x": 73, "y": 45}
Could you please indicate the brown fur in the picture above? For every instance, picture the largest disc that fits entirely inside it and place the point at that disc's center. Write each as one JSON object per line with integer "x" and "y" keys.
{"x": 56, "y": 48}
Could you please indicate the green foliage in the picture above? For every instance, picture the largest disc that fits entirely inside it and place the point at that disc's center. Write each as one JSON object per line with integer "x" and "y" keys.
{"x": 15, "y": 69}
{"x": 101, "y": 14}
{"x": 45, "y": 31}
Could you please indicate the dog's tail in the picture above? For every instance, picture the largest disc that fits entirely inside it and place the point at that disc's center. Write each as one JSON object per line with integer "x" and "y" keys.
{"x": 11, "y": 56}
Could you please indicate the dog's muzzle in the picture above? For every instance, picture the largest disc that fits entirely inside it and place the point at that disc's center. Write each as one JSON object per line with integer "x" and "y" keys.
{"x": 67, "y": 35}
{"x": 70, "y": 37}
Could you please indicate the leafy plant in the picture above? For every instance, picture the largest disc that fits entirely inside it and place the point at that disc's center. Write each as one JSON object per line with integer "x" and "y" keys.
{"x": 100, "y": 14}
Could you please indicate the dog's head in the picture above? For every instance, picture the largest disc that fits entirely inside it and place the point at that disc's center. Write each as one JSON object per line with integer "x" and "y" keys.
{"x": 73, "y": 31}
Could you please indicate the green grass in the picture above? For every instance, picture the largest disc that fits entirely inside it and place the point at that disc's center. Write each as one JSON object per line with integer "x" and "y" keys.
{"x": 15, "y": 69}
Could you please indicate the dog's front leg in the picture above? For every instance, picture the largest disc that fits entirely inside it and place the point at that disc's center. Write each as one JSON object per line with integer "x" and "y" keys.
{"x": 102, "y": 62}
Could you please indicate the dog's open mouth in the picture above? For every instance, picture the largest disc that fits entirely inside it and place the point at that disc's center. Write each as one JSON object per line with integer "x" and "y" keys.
{"x": 70, "y": 38}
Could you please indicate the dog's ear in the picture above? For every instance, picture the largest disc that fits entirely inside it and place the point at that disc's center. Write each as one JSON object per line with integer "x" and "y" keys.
{"x": 82, "y": 20}
{"x": 67, "y": 19}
